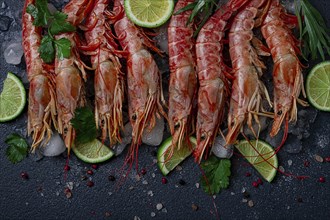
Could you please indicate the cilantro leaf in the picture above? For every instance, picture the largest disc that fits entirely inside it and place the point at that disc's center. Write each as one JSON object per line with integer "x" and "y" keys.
{"x": 63, "y": 47}
{"x": 17, "y": 149}
{"x": 39, "y": 12}
{"x": 84, "y": 123}
{"x": 60, "y": 25}
{"x": 217, "y": 172}
{"x": 47, "y": 50}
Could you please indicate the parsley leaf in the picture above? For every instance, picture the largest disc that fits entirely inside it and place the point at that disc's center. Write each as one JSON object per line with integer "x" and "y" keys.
{"x": 18, "y": 148}
{"x": 84, "y": 124}
{"x": 217, "y": 172}
{"x": 47, "y": 50}
{"x": 60, "y": 25}
{"x": 32, "y": 10}
{"x": 63, "y": 47}
{"x": 56, "y": 24}
{"x": 39, "y": 12}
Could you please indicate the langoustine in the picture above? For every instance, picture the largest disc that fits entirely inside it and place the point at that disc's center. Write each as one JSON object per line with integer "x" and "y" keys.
{"x": 213, "y": 85}
{"x": 70, "y": 73}
{"x": 42, "y": 104}
{"x": 108, "y": 79}
{"x": 287, "y": 70}
{"x": 143, "y": 79}
{"x": 247, "y": 89}
{"x": 183, "y": 79}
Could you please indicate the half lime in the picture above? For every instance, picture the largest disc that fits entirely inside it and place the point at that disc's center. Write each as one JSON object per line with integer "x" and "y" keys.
{"x": 261, "y": 156}
{"x": 12, "y": 98}
{"x": 318, "y": 86}
{"x": 149, "y": 13}
{"x": 167, "y": 164}
{"x": 93, "y": 152}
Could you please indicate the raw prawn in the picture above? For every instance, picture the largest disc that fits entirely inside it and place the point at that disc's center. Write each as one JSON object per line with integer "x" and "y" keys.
{"x": 213, "y": 85}
{"x": 70, "y": 73}
{"x": 108, "y": 79}
{"x": 183, "y": 79}
{"x": 42, "y": 105}
{"x": 143, "y": 79}
{"x": 247, "y": 89}
{"x": 287, "y": 70}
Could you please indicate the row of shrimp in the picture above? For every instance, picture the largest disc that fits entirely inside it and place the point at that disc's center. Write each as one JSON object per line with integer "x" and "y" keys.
{"x": 201, "y": 85}
{"x": 238, "y": 87}
{"x": 55, "y": 93}
{"x": 55, "y": 90}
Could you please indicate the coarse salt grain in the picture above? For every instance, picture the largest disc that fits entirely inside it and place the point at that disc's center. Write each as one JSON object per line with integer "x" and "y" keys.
{"x": 159, "y": 206}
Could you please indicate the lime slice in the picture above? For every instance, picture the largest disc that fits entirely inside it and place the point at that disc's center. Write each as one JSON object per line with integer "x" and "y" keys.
{"x": 318, "y": 86}
{"x": 93, "y": 152}
{"x": 267, "y": 169}
{"x": 167, "y": 165}
{"x": 12, "y": 98}
{"x": 149, "y": 13}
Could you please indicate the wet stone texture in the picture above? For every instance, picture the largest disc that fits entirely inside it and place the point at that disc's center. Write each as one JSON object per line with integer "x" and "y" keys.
{"x": 40, "y": 188}
{"x": 4, "y": 23}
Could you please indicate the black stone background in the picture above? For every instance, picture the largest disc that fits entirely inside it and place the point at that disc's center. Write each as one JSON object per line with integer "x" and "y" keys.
{"x": 42, "y": 196}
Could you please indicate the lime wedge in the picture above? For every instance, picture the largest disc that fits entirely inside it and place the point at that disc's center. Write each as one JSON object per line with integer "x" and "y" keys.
{"x": 267, "y": 169}
{"x": 12, "y": 98}
{"x": 93, "y": 152}
{"x": 318, "y": 86}
{"x": 167, "y": 165}
{"x": 149, "y": 13}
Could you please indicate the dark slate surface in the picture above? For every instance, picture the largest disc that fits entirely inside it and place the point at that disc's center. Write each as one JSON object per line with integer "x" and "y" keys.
{"x": 42, "y": 196}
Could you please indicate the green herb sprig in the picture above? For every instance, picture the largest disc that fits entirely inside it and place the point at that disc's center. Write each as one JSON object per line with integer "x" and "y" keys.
{"x": 204, "y": 7}
{"x": 313, "y": 31}
{"x": 217, "y": 172}
{"x": 56, "y": 24}
{"x": 17, "y": 148}
{"x": 84, "y": 124}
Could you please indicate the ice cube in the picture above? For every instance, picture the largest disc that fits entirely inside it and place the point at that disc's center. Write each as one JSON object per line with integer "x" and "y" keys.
{"x": 255, "y": 126}
{"x": 36, "y": 156}
{"x": 289, "y": 5}
{"x": 54, "y": 147}
{"x": 13, "y": 53}
{"x": 276, "y": 140}
{"x": 126, "y": 139}
{"x": 155, "y": 136}
{"x": 3, "y": 5}
{"x": 293, "y": 145}
{"x": 161, "y": 38}
{"x": 220, "y": 149}
{"x": 302, "y": 127}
